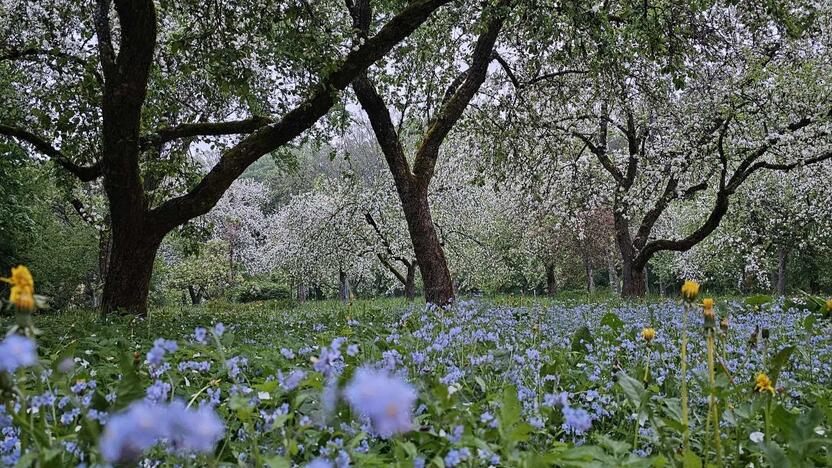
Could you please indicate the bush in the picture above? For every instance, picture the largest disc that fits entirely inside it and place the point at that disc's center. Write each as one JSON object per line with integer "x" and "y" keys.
{"x": 260, "y": 290}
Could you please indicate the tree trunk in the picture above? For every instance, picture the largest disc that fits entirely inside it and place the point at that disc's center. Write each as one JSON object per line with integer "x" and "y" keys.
{"x": 303, "y": 292}
{"x": 410, "y": 282}
{"x": 433, "y": 267}
{"x": 104, "y": 246}
{"x": 343, "y": 286}
{"x": 634, "y": 281}
{"x": 646, "y": 280}
{"x": 551, "y": 281}
{"x": 590, "y": 276}
{"x": 195, "y": 294}
{"x": 613, "y": 275}
{"x": 132, "y": 254}
{"x": 782, "y": 265}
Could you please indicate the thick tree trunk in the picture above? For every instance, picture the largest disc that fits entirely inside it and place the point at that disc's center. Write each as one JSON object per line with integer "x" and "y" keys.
{"x": 433, "y": 266}
{"x": 410, "y": 282}
{"x": 782, "y": 265}
{"x": 551, "y": 281}
{"x": 127, "y": 283}
{"x": 634, "y": 280}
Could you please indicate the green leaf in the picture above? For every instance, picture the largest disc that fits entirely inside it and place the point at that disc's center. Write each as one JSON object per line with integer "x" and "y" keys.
{"x": 277, "y": 462}
{"x": 632, "y": 388}
{"x": 612, "y": 320}
{"x": 758, "y": 300}
{"x": 581, "y": 339}
{"x": 778, "y": 362}
{"x": 509, "y": 409}
{"x": 691, "y": 460}
{"x": 776, "y": 455}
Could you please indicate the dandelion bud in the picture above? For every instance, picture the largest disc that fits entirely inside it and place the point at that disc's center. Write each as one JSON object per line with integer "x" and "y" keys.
{"x": 708, "y": 313}
{"x": 723, "y": 324}
{"x": 766, "y": 333}
{"x": 690, "y": 289}
{"x": 648, "y": 334}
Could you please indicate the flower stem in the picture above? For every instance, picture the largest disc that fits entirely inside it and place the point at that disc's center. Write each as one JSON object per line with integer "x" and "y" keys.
{"x": 684, "y": 386}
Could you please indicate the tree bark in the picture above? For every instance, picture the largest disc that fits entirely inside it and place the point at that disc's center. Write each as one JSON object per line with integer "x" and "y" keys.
{"x": 590, "y": 277}
{"x": 634, "y": 281}
{"x": 303, "y": 292}
{"x": 410, "y": 282}
{"x": 551, "y": 281}
{"x": 196, "y": 295}
{"x": 782, "y": 266}
{"x": 613, "y": 275}
{"x": 127, "y": 283}
{"x": 343, "y": 286}
{"x": 430, "y": 256}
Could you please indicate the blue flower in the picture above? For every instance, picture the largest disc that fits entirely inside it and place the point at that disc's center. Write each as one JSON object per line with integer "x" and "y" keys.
{"x": 142, "y": 425}
{"x": 352, "y": 350}
{"x": 201, "y": 335}
{"x": 319, "y": 463}
{"x": 156, "y": 355}
{"x": 219, "y": 329}
{"x": 157, "y": 392}
{"x": 387, "y": 401}
{"x": 576, "y": 420}
{"x": 235, "y": 366}
{"x": 17, "y": 351}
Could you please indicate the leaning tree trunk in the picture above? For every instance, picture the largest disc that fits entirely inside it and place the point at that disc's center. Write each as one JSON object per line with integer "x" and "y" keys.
{"x": 782, "y": 265}
{"x": 133, "y": 251}
{"x": 551, "y": 281}
{"x": 433, "y": 266}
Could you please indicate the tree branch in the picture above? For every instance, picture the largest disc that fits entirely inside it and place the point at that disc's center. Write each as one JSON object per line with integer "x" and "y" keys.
{"x": 84, "y": 173}
{"x": 455, "y": 105}
{"x": 187, "y": 130}
{"x": 270, "y": 137}
{"x": 18, "y": 54}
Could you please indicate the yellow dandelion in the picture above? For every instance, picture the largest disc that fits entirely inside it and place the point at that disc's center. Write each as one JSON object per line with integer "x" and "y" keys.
{"x": 22, "y": 293}
{"x": 690, "y": 290}
{"x": 21, "y": 277}
{"x": 648, "y": 334}
{"x": 763, "y": 384}
{"x": 22, "y": 298}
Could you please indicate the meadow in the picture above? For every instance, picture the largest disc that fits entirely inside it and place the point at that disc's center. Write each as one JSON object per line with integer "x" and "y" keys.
{"x": 504, "y": 381}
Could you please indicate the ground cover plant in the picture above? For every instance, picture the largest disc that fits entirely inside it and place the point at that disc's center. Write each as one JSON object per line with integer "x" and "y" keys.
{"x": 384, "y": 383}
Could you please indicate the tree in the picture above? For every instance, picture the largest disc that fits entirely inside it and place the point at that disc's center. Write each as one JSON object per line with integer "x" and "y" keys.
{"x": 127, "y": 75}
{"x": 696, "y": 119}
{"x": 412, "y": 182}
